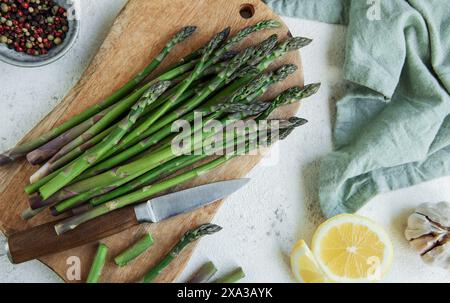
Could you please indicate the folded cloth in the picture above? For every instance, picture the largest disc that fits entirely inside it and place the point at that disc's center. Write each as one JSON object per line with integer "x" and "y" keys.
{"x": 392, "y": 127}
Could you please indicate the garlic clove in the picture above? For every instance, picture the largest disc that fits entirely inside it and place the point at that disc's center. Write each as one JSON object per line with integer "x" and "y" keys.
{"x": 438, "y": 212}
{"x": 418, "y": 226}
{"x": 423, "y": 244}
{"x": 439, "y": 256}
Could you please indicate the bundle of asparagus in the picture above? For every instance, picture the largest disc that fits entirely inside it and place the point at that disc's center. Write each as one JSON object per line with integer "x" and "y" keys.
{"x": 120, "y": 151}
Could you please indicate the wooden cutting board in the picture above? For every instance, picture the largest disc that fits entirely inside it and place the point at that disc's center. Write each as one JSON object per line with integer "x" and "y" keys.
{"x": 138, "y": 34}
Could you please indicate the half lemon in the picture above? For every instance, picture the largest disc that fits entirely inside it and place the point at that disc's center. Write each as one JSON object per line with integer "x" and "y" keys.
{"x": 351, "y": 248}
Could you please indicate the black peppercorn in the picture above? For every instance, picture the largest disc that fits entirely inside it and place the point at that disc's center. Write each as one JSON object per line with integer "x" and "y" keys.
{"x": 32, "y": 26}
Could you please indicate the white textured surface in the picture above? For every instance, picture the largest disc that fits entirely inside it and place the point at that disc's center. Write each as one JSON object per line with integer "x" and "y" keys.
{"x": 262, "y": 221}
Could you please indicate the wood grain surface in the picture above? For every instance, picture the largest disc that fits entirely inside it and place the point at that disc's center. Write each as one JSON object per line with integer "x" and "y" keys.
{"x": 138, "y": 34}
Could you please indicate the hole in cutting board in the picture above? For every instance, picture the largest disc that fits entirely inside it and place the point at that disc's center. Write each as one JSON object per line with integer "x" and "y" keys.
{"x": 247, "y": 11}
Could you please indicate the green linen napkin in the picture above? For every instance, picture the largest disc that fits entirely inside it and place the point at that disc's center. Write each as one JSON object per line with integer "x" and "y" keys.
{"x": 393, "y": 127}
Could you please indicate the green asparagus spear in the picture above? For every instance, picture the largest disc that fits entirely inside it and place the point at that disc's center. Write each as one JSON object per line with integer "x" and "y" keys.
{"x": 189, "y": 237}
{"x": 134, "y": 251}
{"x": 90, "y": 156}
{"x": 179, "y": 37}
{"x": 290, "y": 96}
{"x": 98, "y": 264}
{"x": 289, "y": 45}
{"x": 21, "y": 150}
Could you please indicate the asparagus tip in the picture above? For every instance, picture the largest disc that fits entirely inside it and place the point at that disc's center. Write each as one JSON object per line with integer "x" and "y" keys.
{"x": 203, "y": 230}
{"x": 269, "y": 23}
{"x": 297, "y": 122}
{"x": 185, "y": 33}
{"x": 283, "y": 72}
{"x": 312, "y": 89}
{"x": 297, "y": 43}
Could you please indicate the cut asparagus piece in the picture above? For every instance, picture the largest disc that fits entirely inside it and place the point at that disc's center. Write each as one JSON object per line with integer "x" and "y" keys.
{"x": 98, "y": 264}
{"x": 90, "y": 156}
{"x": 233, "y": 277}
{"x": 134, "y": 251}
{"x": 21, "y": 150}
{"x": 204, "y": 274}
{"x": 189, "y": 237}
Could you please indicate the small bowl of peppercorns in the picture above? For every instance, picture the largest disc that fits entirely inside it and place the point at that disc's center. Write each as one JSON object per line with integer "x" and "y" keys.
{"x": 37, "y": 32}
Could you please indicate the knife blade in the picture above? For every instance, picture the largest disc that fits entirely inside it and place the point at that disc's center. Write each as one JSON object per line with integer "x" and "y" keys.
{"x": 165, "y": 207}
{"x": 43, "y": 240}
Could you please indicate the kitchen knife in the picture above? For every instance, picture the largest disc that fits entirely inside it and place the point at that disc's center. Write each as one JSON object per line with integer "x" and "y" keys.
{"x": 43, "y": 240}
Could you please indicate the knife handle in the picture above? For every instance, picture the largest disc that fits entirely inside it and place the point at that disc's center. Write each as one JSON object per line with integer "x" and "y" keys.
{"x": 42, "y": 240}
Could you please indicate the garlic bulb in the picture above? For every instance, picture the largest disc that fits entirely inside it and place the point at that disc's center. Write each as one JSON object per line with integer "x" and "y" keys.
{"x": 429, "y": 233}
